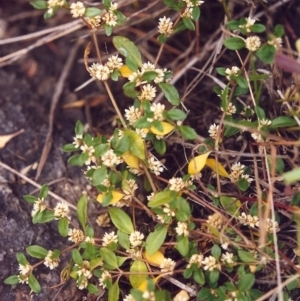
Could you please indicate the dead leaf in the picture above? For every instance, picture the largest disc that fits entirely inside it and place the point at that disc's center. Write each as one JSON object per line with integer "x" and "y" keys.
{"x": 6, "y": 138}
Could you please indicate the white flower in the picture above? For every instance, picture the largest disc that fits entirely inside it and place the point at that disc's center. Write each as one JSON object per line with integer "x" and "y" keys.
{"x": 155, "y": 165}
{"x": 253, "y": 43}
{"x": 158, "y": 109}
{"x": 129, "y": 298}
{"x": 130, "y": 189}
{"x": 61, "y": 210}
{"x": 276, "y": 42}
{"x": 168, "y": 211}
{"x": 225, "y": 245}
{"x": 25, "y": 269}
{"x": 148, "y": 92}
{"x": 78, "y": 141}
{"x": 176, "y": 184}
{"x": 109, "y": 158}
{"x": 213, "y": 131}
{"x": 90, "y": 151}
{"x": 189, "y": 3}
{"x": 249, "y": 22}
{"x": 147, "y": 67}
{"x": 182, "y": 296}
{"x": 272, "y": 225}
{"x": 231, "y": 109}
{"x": 165, "y": 26}
{"x": 142, "y": 133}
{"x": 38, "y": 206}
{"x": 54, "y": 3}
{"x": 265, "y": 122}
{"x": 104, "y": 277}
{"x": 94, "y": 22}
{"x": 160, "y": 75}
{"x": 247, "y": 178}
{"x": 234, "y": 71}
{"x": 23, "y": 278}
{"x": 134, "y": 253}
{"x": 197, "y": 259}
{"x": 182, "y": 229}
{"x": 167, "y": 265}
{"x": 90, "y": 240}
{"x": 49, "y": 262}
{"x": 113, "y": 6}
{"x": 84, "y": 269}
{"x": 215, "y": 220}
{"x": 236, "y": 171}
{"x": 99, "y": 71}
{"x": 227, "y": 258}
{"x": 109, "y": 238}
{"x": 110, "y": 19}
{"x": 188, "y": 13}
{"x": 210, "y": 263}
{"x": 114, "y": 62}
{"x": 149, "y": 296}
{"x": 132, "y": 114}
{"x": 83, "y": 283}
{"x": 77, "y": 9}
{"x": 249, "y": 220}
{"x": 257, "y": 137}
{"x": 75, "y": 235}
{"x": 136, "y": 238}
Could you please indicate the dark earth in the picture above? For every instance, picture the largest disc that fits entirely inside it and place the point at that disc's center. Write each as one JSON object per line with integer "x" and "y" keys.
{"x": 26, "y": 89}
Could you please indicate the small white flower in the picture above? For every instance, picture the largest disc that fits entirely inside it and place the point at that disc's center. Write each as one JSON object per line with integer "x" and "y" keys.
{"x": 247, "y": 178}
{"x": 225, "y": 245}
{"x": 132, "y": 114}
{"x": 134, "y": 253}
{"x": 210, "y": 263}
{"x": 253, "y": 43}
{"x": 23, "y": 278}
{"x": 182, "y": 229}
{"x": 189, "y": 3}
{"x": 147, "y": 67}
{"x": 94, "y": 22}
{"x": 142, "y": 133}
{"x": 61, "y": 210}
{"x": 99, "y": 71}
{"x": 213, "y": 131}
{"x": 75, "y": 235}
{"x": 168, "y": 211}
{"x": 90, "y": 240}
{"x": 84, "y": 269}
{"x": 77, "y": 9}
{"x": 237, "y": 169}
{"x": 83, "y": 284}
{"x": 167, "y": 265}
{"x": 165, "y": 26}
{"x": 114, "y": 62}
{"x": 110, "y": 19}
{"x": 148, "y": 92}
{"x": 109, "y": 238}
{"x": 25, "y": 269}
{"x": 155, "y": 165}
{"x": 182, "y": 296}
{"x": 188, "y": 13}
{"x": 215, "y": 220}
{"x": 136, "y": 238}
{"x": 176, "y": 184}
{"x": 197, "y": 259}
{"x": 78, "y": 141}
{"x": 158, "y": 110}
{"x": 227, "y": 258}
{"x": 104, "y": 277}
{"x": 109, "y": 158}
{"x": 130, "y": 189}
{"x": 160, "y": 75}
{"x": 277, "y": 42}
{"x": 149, "y": 296}
{"x": 54, "y": 3}
{"x": 257, "y": 137}
{"x": 272, "y": 225}
{"x": 113, "y": 6}
{"x": 38, "y": 206}
{"x": 231, "y": 109}
{"x": 249, "y": 220}
{"x": 249, "y": 22}
{"x": 49, "y": 262}
{"x": 234, "y": 71}
{"x": 265, "y": 122}
{"x": 129, "y": 298}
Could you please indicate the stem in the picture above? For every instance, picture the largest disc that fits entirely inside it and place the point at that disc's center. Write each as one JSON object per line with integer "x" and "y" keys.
{"x": 96, "y": 46}
{"x": 114, "y": 103}
{"x": 159, "y": 53}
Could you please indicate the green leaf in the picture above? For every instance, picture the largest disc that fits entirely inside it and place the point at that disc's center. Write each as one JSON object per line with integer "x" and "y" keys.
{"x": 12, "y": 280}
{"x": 170, "y": 93}
{"x": 278, "y": 31}
{"x": 142, "y": 123}
{"x": 216, "y": 252}
{"x": 79, "y": 128}
{"x": 39, "y": 4}
{"x": 230, "y": 204}
{"x": 214, "y": 276}
{"x": 76, "y": 256}
{"x": 21, "y": 258}
{"x": 196, "y": 13}
{"x": 92, "y": 289}
{"x": 172, "y": 4}
{"x": 199, "y": 276}
{"x": 43, "y": 192}
{"x": 106, "y": 4}
{"x": 162, "y": 38}
{"x": 279, "y": 164}
{"x": 99, "y": 175}
{"x": 82, "y": 211}
{"x": 283, "y": 121}
{"x": 242, "y": 82}
{"x": 43, "y": 217}
{"x": 155, "y": 239}
{"x": 92, "y": 12}
{"x": 33, "y": 284}
{"x": 137, "y": 145}
{"x": 204, "y": 294}
{"x": 233, "y": 25}
{"x": 183, "y": 212}
{"x": 292, "y": 176}
{"x": 187, "y": 132}
{"x": 221, "y": 71}
{"x": 37, "y": 251}
{"x": 129, "y": 90}
{"x": 123, "y": 240}
{"x": 49, "y": 14}
{"x": 129, "y": 50}
{"x": 161, "y": 198}
{"x": 234, "y": 43}
{"x": 176, "y": 114}
{"x": 246, "y": 282}
{"x": 260, "y": 112}
{"x": 149, "y": 76}
{"x": 69, "y": 148}
{"x": 101, "y": 150}
{"x": 188, "y": 23}
{"x": 63, "y": 227}
{"x": 258, "y": 28}
{"x": 121, "y": 220}
{"x": 108, "y": 30}
{"x": 30, "y": 199}
{"x": 78, "y": 160}
{"x": 160, "y": 146}
{"x": 266, "y": 53}
{"x": 182, "y": 246}
{"x": 138, "y": 274}
{"x": 109, "y": 257}
{"x": 114, "y": 292}
{"x": 246, "y": 256}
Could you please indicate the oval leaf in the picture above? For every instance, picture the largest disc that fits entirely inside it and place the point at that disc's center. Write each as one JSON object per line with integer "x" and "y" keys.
{"x": 33, "y": 284}
{"x": 121, "y": 220}
{"x": 210, "y": 162}
{"x": 234, "y": 43}
{"x": 197, "y": 163}
{"x": 116, "y": 197}
{"x": 167, "y": 128}
{"x": 155, "y": 239}
{"x": 170, "y": 93}
{"x": 137, "y": 145}
{"x": 131, "y": 160}
{"x": 136, "y": 278}
{"x": 37, "y": 252}
{"x": 114, "y": 292}
{"x": 155, "y": 259}
{"x": 82, "y": 211}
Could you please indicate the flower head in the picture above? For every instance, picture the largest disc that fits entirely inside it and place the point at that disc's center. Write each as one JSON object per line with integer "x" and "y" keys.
{"x": 110, "y": 18}
{"x": 75, "y": 235}
{"x": 114, "y": 62}
{"x": 158, "y": 110}
{"x": 49, "y": 262}
{"x": 182, "y": 229}
{"x": 136, "y": 238}
{"x": 77, "y": 9}
{"x": 110, "y": 159}
{"x": 25, "y": 269}
{"x": 249, "y": 23}
{"x": 195, "y": 259}
{"x": 233, "y": 72}
{"x": 167, "y": 265}
{"x": 215, "y": 220}
{"x": 155, "y": 165}
{"x": 213, "y": 131}
{"x": 253, "y": 43}
{"x": 176, "y": 184}
{"x": 109, "y": 238}
{"x": 105, "y": 277}
{"x": 38, "y": 206}
{"x": 210, "y": 263}
{"x": 165, "y": 26}
{"x": 61, "y": 210}
{"x": 132, "y": 114}
{"x": 99, "y": 71}
{"x": 148, "y": 92}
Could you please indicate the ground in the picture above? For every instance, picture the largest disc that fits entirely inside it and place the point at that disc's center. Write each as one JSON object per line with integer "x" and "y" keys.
{"x": 27, "y": 84}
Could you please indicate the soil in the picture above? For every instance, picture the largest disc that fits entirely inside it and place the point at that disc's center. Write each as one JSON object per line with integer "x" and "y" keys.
{"x": 26, "y": 90}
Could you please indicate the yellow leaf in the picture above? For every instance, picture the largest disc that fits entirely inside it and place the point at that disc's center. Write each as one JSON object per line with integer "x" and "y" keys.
{"x": 156, "y": 259}
{"x": 210, "y": 162}
{"x": 143, "y": 286}
{"x": 117, "y": 196}
{"x": 197, "y": 163}
{"x": 138, "y": 274}
{"x": 6, "y": 138}
{"x": 125, "y": 71}
{"x": 182, "y": 295}
{"x": 167, "y": 128}
{"x": 131, "y": 160}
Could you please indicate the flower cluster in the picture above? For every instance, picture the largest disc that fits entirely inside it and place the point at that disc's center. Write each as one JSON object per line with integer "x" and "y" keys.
{"x": 182, "y": 229}
{"x": 232, "y": 73}
{"x": 155, "y": 166}
{"x": 105, "y": 279}
{"x": 188, "y": 12}
{"x": 109, "y": 238}
{"x": 84, "y": 273}
{"x": 61, "y": 210}
{"x": 167, "y": 265}
{"x": 136, "y": 238}
{"x": 237, "y": 172}
{"x": 210, "y": 263}
{"x": 38, "y": 206}
{"x": 50, "y": 262}
{"x": 249, "y": 23}
{"x": 253, "y": 221}
{"x": 215, "y": 220}
{"x": 213, "y": 131}
{"x": 253, "y": 43}
{"x": 75, "y": 235}
{"x": 165, "y": 26}
{"x": 77, "y": 9}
